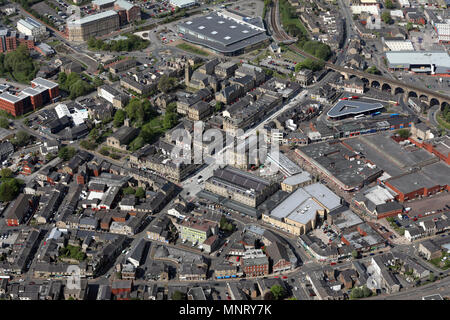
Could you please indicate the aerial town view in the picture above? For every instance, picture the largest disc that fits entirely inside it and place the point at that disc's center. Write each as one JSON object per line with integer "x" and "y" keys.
{"x": 225, "y": 150}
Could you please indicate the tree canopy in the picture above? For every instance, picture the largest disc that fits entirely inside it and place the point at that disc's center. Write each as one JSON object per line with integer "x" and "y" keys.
{"x": 21, "y": 139}
{"x": 278, "y": 292}
{"x": 67, "y": 153}
{"x": 119, "y": 118}
{"x": 9, "y": 189}
{"x": 140, "y": 192}
{"x": 310, "y": 64}
{"x": 18, "y": 64}
{"x": 131, "y": 43}
{"x": 178, "y": 295}
{"x": 166, "y": 83}
{"x": 74, "y": 85}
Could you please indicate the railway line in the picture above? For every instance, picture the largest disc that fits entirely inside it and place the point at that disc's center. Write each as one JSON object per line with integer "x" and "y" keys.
{"x": 280, "y": 35}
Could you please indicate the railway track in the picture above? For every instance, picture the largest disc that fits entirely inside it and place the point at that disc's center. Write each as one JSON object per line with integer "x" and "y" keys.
{"x": 280, "y": 34}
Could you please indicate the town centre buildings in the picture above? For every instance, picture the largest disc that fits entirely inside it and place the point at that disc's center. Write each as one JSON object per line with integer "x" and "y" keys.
{"x": 298, "y": 213}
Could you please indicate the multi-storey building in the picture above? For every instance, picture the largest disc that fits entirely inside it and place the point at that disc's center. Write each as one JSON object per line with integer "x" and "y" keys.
{"x": 240, "y": 186}
{"x": 255, "y": 263}
{"x": 93, "y": 25}
{"x": 41, "y": 92}
{"x": 10, "y": 40}
{"x": 31, "y": 27}
{"x": 196, "y": 230}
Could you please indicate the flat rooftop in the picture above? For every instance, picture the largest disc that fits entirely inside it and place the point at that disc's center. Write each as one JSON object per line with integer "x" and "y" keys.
{"x": 223, "y": 31}
{"x": 302, "y": 205}
{"x": 405, "y": 59}
{"x": 388, "y": 154}
{"x": 334, "y": 158}
{"x": 352, "y": 107}
{"x": 92, "y": 18}
{"x": 298, "y": 178}
{"x": 44, "y": 83}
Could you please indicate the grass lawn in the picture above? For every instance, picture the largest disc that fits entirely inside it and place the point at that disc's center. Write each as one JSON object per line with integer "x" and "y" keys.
{"x": 436, "y": 262}
{"x": 290, "y": 55}
{"x": 442, "y": 122}
{"x": 286, "y": 19}
{"x": 189, "y": 48}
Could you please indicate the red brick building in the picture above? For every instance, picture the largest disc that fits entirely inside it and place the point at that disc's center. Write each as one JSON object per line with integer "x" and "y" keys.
{"x": 21, "y": 210}
{"x": 10, "y": 40}
{"x": 279, "y": 258}
{"x": 41, "y": 92}
{"x": 255, "y": 266}
{"x": 128, "y": 12}
{"x": 121, "y": 289}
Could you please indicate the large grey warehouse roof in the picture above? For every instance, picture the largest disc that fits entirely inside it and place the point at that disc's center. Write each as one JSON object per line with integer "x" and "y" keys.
{"x": 303, "y": 204}
{"x": 223, "y": 31}
{"x": 345, "y": 108}
{"x": 404, "y": 59}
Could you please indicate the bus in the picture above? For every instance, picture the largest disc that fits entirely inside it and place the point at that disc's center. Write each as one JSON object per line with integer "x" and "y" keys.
{"x": 359, "y": 116}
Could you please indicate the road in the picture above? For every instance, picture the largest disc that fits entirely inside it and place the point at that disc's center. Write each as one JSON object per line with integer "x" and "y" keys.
{"x": 441, "y": 287}
{"x": 191, "y": 184}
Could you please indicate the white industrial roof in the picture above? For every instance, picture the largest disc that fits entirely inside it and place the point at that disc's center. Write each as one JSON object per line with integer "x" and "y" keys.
{"x": 406, "y": 58}
{"x": 303, "y": 204}
{"x": 182, "y": 3}
{"x": 62, "y": 110}
{"x": 102, "y": 2}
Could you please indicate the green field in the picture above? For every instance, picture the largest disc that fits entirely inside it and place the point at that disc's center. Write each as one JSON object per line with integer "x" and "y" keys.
{"x": 442, "y": 122}
{"x": 290, "y": 22}
{"x": 189, "y": 48}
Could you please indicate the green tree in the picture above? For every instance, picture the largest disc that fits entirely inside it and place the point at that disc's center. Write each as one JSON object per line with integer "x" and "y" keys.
{"x": 4, "y": 123}
{"x": 97, "y": 82}
{"x": 356, "y": 293}
{"x": 9, "y": 189}
{"x": 21, "y": 139}
{"x": 389, "y": 4}
{"x": 219, "y": 106}
{"x": 409, "y": 26}
{"x": 404, "y": 133}
{"x": 137, "y": 143}
{"x": 432, "y": 277}
{"x": 170, "y": 120}
{"x": 178, "y": 295}
{"x": 140, "y": 193}
{"x": 67, "y": 153}
{"x": 119, "y": 118}
{"x": 366, "y": 292}
{"x": 6, "y": 173}
{"x": 278, "y": 292}
{"x": 310, "y": 64}
{"x": 20, "y": 64}
{"x": 166, "y": 83}
{"x": 94, "y": 135}
{"x": 373, "y": 70}
{"x": 386, "y": 16}
{"x": 129, "y": 190}
{"x": 104, "y": 151}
